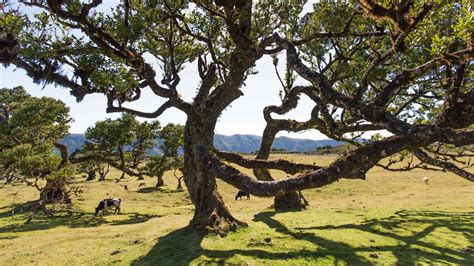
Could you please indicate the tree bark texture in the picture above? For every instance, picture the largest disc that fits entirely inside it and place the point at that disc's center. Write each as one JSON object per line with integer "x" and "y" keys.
{"x": 210, "y": 212}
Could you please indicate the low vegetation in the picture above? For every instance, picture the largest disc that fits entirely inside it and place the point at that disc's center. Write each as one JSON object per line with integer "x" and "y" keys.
{"x": 402, "y": 221}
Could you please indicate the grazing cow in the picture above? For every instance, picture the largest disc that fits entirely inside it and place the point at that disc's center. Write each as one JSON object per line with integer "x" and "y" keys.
{"x": 241, "y": 194}
{"x": 125, "y": 187}
{"x": 107, "y": 204}
{"x": 426, "y": 180}
{"x": 142, "y": 185}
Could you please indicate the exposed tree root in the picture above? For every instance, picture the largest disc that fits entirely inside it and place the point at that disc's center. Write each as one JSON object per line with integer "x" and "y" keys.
{"x": 216, "y": 219}
{"x": 293, "y": 201}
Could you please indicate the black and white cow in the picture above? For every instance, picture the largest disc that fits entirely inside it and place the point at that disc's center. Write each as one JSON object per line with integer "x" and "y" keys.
{"x": 241, "y": 194}
{"x": 106, "y": 204}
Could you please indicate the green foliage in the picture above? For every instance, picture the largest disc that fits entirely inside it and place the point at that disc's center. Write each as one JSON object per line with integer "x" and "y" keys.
{"x": 148, "y": 28}
{"x": 13, "y": 97}
{"x": 87, "y": 166}
{"x": 144, "y": 135}
{"x": 110, "y": 136}
{"x": 30, "y": 161}
{"x": 39, "y": 120}
{"x": 28, "y": 136}
{"x": 376, "y": 137}
{"x": 126, "y": 140}
{"x": 172, "y": 136}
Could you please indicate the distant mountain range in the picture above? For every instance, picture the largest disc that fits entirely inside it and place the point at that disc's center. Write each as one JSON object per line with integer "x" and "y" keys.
{"x": 235, "y": 143}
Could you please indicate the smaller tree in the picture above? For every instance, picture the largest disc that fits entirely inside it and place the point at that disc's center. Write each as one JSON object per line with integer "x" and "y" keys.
{"x": 123, "y": 135}
{"x": 144, "y": 135}
{"x": 92, "y": 167}
{"x": 172, "y": 136}
{"x": 108, "y": 139}
{"x": 124, "y": 140}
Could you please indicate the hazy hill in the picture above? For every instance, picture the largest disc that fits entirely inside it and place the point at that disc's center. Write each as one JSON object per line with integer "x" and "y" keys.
{"x": 236, "y": 143}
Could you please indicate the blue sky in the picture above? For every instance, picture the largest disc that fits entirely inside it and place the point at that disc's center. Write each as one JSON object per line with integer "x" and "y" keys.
{"x": 244, "y": 116}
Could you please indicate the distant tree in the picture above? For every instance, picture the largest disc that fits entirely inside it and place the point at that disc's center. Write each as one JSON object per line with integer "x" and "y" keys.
{"x": 122, "y": 136}
{"x": 93, "y": 167}
{"x": 368, "y": 65}
{"x": 144, "y": 136}
{"x": 172, "y": 136}
{"x": 89, "y": 168}
{"x": 100, "y": 142}
{"x": 110, "y": 138}
{"x": 125, "y": 140}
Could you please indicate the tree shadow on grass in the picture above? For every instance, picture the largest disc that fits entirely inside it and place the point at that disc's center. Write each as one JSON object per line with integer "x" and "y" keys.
{"x": 81, "y": 220}
{"x": 402, "y": 227}
{"x": 184, "y": 245}
{"x": 158, "y": 189}
{"x": 179, "y": 247}
{"x": 7, "y": 237}
{"x": 19, "y": 208}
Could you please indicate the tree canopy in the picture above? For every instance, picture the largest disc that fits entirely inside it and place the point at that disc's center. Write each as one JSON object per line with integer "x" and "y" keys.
{"x": 401, "y": 66}
{"x": 28, "y": 139}
{"x": 172, "y": 136}
{"x": 125, "y": 140}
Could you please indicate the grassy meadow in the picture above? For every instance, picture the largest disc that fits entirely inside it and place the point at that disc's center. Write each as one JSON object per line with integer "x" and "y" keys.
{"x": 390, "y": 218}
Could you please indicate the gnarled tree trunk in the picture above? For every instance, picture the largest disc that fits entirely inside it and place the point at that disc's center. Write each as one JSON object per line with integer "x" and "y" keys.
{"x": 210, "y": 212}
{"x": 90, "y": 175}
{"x": 103, "y": 172}
{"x": 285, "y": 202}
{"x": 55, "y": 191}
{"x": 122, "y": 162}
{"x": 159, "y": 177}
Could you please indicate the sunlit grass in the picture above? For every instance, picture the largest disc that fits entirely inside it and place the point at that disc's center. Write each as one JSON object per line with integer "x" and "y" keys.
{"x": 389, "y": 218}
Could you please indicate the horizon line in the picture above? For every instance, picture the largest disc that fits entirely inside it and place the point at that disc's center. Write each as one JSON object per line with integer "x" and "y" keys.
{"x": 241, "y": 134}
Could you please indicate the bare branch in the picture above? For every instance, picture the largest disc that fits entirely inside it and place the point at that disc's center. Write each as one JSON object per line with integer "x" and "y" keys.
{"x": 283, "y": 165}
{"x": 104, "y": 159}
{"x": 111, "y": 109}
{"x": 443, "y": 164}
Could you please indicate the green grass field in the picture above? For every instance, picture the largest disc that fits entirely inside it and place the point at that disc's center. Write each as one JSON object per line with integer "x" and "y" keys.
{"x": 390, "y": 218}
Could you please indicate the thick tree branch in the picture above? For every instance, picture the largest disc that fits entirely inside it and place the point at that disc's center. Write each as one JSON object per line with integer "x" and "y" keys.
{"x": 111, "y": 109}
{"x": 63, "y": 151}
{"x": 104, "y": 159}
{"x": 38, "y": 74}
{"x": 408, "y": 75}
{"x": 283, "y": 165}
{"x": 369, "y": 112}
{"x": 443, "y": 164}
{"x": 353, "y": 165}
{"x": 398, "y": 15}
{"x": 113, "y": 48}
